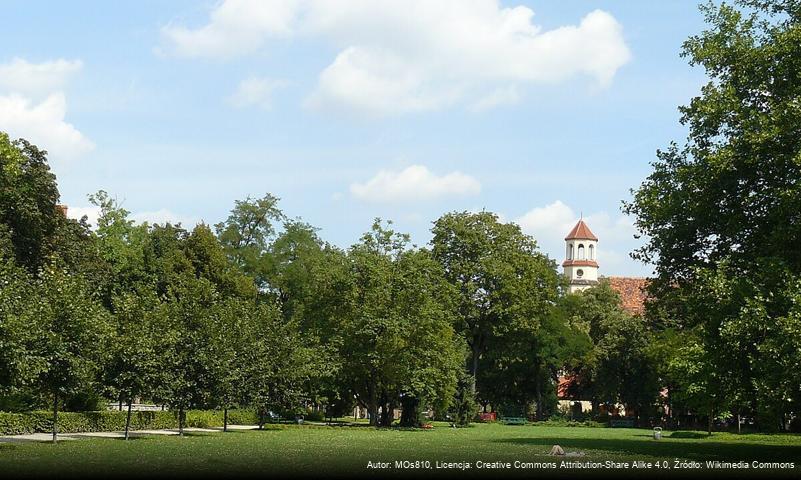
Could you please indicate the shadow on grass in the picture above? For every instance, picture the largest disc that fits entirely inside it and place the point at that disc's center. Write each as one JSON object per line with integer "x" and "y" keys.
{"x": 665, "y": 449}
{"x": 681, "y": 434}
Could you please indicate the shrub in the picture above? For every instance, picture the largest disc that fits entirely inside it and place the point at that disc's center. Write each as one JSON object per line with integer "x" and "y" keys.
{"x": 74, "y": 422}
{"x": 314, "y": 415}
{"x": 556, "y": 421}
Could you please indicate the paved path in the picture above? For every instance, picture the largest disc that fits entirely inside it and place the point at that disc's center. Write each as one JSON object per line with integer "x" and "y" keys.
{"x": 47, "y": 437}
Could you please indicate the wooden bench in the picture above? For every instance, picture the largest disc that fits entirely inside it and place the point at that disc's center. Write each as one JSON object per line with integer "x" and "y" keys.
{"x": 514, "y": 420}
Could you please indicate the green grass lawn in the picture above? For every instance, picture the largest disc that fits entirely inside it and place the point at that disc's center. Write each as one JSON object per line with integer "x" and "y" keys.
{"x": 347, "y": 450}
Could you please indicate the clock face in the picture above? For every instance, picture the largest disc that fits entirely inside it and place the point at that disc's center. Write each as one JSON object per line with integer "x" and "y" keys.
{"x": 579, "y": 273}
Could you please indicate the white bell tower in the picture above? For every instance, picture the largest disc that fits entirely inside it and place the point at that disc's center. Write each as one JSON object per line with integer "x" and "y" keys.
{"x": 580, "y": 265}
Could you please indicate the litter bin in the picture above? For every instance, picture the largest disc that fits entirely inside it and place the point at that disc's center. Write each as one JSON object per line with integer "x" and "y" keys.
{"x": 657, "y": 433}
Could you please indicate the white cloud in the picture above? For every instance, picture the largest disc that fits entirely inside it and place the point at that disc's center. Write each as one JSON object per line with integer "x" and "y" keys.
{"x": 164, "y": 216}
{"x": 550, "y": 224}
{"x": 236, "y": 27}
{"x": 256, "y": 91}
{"x": 92, "y": 213}
{"x": 376, "y": 82}
{"x": 414, "y": 183}
{"x": 548, "y": 221}
{"x": 33, "y": 107}
{"x": 43, "y": 124}
{"x": 399, "y": 56}
{"x": 21, "y": 76}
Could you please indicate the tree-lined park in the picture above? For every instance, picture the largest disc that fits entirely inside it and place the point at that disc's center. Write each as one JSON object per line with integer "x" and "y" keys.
{"x": 259, "y": 315}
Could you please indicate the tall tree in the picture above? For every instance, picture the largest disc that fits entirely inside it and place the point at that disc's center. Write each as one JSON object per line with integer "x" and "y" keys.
{"x": 505, "y": 285}
{"x": 398, "y": 338}
{"x": 75, "y": 332}
{"x": 721, "y": 211}
{"x": 135, "y": 367}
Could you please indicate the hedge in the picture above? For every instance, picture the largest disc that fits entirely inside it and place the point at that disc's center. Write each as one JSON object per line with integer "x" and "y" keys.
{"x": 75, "y": 422}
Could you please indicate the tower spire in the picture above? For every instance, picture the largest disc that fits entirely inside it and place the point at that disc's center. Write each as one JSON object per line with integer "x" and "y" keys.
{"x": 580, "y": 265}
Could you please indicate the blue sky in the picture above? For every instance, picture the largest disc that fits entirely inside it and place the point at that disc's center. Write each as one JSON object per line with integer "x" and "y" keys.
{"x": 349, "y": 110}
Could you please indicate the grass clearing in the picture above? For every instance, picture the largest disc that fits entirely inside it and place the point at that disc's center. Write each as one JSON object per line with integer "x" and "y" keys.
{"x": 347, "y": 450}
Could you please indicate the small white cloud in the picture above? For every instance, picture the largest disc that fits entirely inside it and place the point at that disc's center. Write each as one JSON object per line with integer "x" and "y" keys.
{"x": 43, "y": 124}
{"x": 92, "y": 213}
{"x": 554, "y": 219}
{"x": 256, "y": 91}
{"x": 414, "y": 183}
{"x": 21, "y": 76}
{"x": 163, "y": 216}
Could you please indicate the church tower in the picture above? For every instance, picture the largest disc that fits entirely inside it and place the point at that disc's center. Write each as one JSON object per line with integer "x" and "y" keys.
{"x": 580, "y": 264}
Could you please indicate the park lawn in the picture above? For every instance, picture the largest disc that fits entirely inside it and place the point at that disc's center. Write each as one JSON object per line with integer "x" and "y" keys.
{"x": 346, "y": 450}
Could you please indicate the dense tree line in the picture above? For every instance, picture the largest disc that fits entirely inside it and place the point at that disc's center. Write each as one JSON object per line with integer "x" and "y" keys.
{"x": 259, "y": 311}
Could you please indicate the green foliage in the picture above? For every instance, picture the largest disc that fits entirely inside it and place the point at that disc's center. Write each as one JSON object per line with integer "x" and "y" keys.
{"x": 246, "y": 233}
{"x": 720, "y": 214}
{"x": 464, "y": 408}
{"x": 20, "y": 363}
{"x": 105, "y": 421}
{"x": 397, "y": 337}
{"x": 619, "y": 367}
{"x": 557, "y": 421}
{"x": 73, "y": 331}
{"x": 505, "y": 286}
{"x": 28, "y": 198}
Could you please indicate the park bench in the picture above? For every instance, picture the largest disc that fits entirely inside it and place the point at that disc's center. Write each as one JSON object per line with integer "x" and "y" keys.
{"x": 514, "y": 420}
{"x": 621, "y": 423}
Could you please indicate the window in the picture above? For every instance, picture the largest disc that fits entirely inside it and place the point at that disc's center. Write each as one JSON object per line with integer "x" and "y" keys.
{"x": 570, "y": 252}
{"x": 581, "y": 251}
{"x": 592, "y": 252}
{"x": 579, "y": 273}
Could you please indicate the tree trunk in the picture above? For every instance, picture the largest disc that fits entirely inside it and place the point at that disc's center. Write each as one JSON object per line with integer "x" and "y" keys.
{"x": 55, "y": 417}
{"x": 119, "y": 407}
{"x": 372, "y": 404}
{"x": 388, "y": 414}
{"x": 476, "y": 352}
{"x": 539, "y": 401}
{"x": 181, "y": 421}
{"x": 709, "y": 423}
{"x": 261, "y": 419}
{"x": 128, "y": 419}
{"x": 225, "y": 419}
{"x": 738, "y": 422}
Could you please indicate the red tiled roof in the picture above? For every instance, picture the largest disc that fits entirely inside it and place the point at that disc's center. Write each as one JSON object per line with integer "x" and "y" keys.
{"x": 632, "y": 292}
{"x": 563, "y": 387}
{"x": 581, "y": 232}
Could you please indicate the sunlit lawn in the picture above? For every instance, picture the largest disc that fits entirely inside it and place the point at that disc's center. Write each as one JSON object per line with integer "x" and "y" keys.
{"x": 347, "y": 450}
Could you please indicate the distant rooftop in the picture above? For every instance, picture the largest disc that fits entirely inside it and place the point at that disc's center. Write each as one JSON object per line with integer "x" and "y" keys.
{"x": 632, "y": 292}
